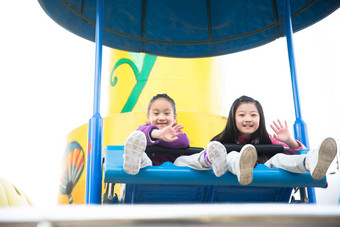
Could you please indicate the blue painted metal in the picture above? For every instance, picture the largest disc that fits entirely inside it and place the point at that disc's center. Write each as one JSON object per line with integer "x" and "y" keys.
{"x": 185, "y": 185}
{"x": 93, "y": 190}
{"x": 211, "y": 193}
{"x": 311, "y": 195}
{"x": 191, "y": 31}
{"x": 190, "y": 28}
{"x": 170, "y": 174}
{"x": 170, "y": 194}
{"x": 300, "y": 127}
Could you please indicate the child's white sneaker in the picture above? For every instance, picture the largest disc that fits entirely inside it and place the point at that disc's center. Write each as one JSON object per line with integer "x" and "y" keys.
{"x": 134, "y": 147}
{"x": 318, "y": 161}
{"x": 245, "y": 164}
{"x": 216, "y": 157}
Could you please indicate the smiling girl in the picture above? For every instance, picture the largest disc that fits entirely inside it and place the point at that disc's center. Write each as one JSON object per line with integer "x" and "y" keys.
{"x": 162, "y": 129}
{"x": 246, "y": 125}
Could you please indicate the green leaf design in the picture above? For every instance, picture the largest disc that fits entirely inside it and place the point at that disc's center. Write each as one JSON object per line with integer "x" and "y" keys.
{"x": 138, "y": 59}
{"x": 141, "y": 75}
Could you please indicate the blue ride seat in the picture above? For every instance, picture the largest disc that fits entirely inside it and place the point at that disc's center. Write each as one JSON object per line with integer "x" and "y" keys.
{"x": 171, "y": 184}
{"x": 169, "y": 194}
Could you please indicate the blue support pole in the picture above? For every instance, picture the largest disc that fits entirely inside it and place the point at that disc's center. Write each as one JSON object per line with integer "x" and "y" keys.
{"x": 94, "y": 173}
{"x": 300, "y": 127}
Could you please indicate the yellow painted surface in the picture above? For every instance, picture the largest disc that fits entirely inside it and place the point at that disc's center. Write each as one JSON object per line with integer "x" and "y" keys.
{"x": 194, "y": 84}
{"x": 78, "y": 193}
{"x": 188, "y": 81}
{"x": 117, "y": 127}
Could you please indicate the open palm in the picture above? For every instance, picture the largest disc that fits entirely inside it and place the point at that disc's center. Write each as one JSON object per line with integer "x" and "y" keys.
{"x": 171, "y": 132}
{"x": 281, "y": 132}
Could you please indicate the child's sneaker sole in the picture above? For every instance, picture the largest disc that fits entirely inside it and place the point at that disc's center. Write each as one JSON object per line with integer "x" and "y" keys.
{"x": 134, "y": 147}
{"x": 248, "y": 158}
{"x": 217, "y": 155}
{"x": 327, "y": 153}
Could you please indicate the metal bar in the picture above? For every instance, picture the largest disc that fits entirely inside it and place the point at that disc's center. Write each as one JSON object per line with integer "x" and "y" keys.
{"x": 94, "y": 174}
{"x": 133, "y": 193}
{"x": 98, "y": 66}
{"x": 171, "y": 174}
{"x": 300, "y": 127}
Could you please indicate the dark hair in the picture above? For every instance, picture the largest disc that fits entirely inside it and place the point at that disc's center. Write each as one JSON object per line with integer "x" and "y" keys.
{"x": 231, "y": 134}
{"x": 165, "y": 96}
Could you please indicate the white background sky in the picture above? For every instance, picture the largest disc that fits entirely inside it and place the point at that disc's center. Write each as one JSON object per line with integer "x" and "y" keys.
{"x": 46, "y": 89}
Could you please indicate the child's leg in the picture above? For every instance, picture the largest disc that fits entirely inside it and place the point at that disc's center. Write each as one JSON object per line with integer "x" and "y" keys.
{"x": 134, "y": 155}
{"x": 192, "y": 161}
{"x": 318, "y": 161}
{"x": 242, "y": 163}
{"x": 290, "y": 163}
{"x": 214, "y": 157}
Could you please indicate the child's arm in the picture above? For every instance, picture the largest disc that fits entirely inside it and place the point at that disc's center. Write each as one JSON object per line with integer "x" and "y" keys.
{"x": 171, "y": 137}
{"x": 282, "y": 135}
{"x": 182, "y": 140}
{"x": 169, "y": 133}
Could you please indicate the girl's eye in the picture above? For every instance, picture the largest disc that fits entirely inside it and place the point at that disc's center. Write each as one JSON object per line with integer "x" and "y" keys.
{"x": 155, "y": 114}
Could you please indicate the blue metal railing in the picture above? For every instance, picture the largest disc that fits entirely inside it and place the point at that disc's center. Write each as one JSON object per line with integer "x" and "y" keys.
{"x": 300, "y": 127}
{"x": 94, "y": 173}
{"x": 94, "y": 161}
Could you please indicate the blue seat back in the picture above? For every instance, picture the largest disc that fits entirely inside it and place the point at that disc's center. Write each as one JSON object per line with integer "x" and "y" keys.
{"x": 174, "y": 194}
{"x": 170, "y": 184}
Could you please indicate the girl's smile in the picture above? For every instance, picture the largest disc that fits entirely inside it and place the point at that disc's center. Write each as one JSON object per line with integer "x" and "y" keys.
{"x": 247, "y": 119}
{"x": 161, "y": 113}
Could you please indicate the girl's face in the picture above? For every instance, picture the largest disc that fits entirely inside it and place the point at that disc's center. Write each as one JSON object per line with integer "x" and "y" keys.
{"x": 161, "y": 113}
{"x": 247, "y": 119}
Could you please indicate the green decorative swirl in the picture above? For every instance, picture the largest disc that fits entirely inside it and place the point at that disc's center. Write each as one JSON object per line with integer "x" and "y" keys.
{"x": 141, "y": 78}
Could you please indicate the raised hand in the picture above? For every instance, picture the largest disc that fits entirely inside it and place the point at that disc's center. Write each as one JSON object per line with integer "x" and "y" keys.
{"x": 171, "y": 132}
{"x": 282, "y": 134}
